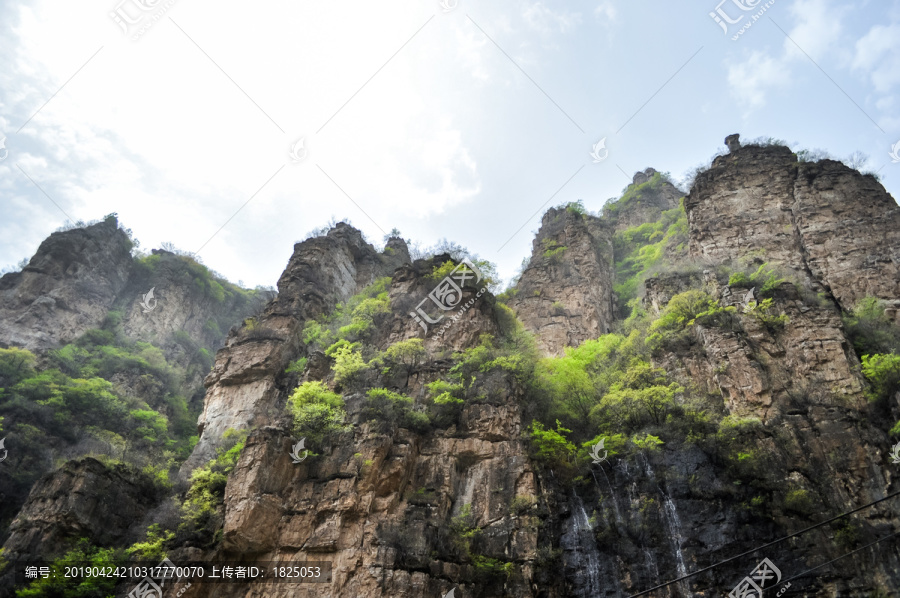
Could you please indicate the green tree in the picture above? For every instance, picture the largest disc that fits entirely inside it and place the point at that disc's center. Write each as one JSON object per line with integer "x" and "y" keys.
{"x": 317, "y": 411}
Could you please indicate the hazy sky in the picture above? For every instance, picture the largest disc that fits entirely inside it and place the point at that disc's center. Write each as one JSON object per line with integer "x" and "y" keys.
{"x": 465, "y": 121}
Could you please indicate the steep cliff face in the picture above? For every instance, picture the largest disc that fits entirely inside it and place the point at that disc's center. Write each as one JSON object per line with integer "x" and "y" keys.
{"x": 67, "y": 287}
{"x": 83, "y": 499}
{"x": 113, "y": 368}
{"x": 565, "y": 294}
{"x": 650, "y": 195}
{"x": 377, "y": 500}
{"x": 243, "y": 388}
{"x": 823, "y": 219}
{"x": 808, "y": 443}
{"x": 462, "y": 454}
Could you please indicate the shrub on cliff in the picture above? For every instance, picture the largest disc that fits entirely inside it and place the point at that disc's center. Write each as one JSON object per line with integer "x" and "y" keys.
{"x": 393, "y": 409}
{"x": 83, "y": 554}
{"x": 316, "y": 411}
{"x": 552, "y": 449}
{"x": 201, "y": 510}
{"x": 683, "y": 311}
{"x": 870, "y": 329}
{"x": 401, "y": 358}
{"x": 883, "y": 372}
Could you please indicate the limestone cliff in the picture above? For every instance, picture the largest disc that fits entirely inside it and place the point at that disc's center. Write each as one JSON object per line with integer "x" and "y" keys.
{"x": 823, "y": 219}
{"x": 67, "y": 287}
{"x": 565, "y": 293}
{"x": 464, "y": 456}
{"x": 243, "y": 388}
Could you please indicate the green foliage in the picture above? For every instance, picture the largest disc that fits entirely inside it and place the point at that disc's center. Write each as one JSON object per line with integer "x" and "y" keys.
{"x": 799, "y": 501}
{"x": 490, "y": 567}
{"x": 870, "y": 329}
{"x": 895, "y": 431}
{"x": 446, "y": 402}
{"x": 739, "y": 279}
{"x": 316, "y": 410}
{"x": 464, "y": 531}
{"x": 576, "y": 207}
{"x": 446, "y": 393}
{"x": 883, "y": 373}
{"x": 765, "y": 278}
{"x": 761, "y": 313}
{"x": 82, "y": 555}
{"x": 683, "y": 311}
{"x": 612, "y": 444}
{"x": 349, "y": 366}
{"x": 442, "y": 271}
{"x": 640, "y": 250}
{"x": 298, "y": 366}
{"x": 521, "y": 504}
{"x": 201, "y": 511}
{"x": 515, "y": 354}
{"x": 401, "y": 358}
{"x": 315, "y": 334}
{"x": 551, "y": 448}
{"x": 393, "y": 409}
{"x": 351, "y": 321}
{"x": 553, "y": 251}
{"x": 15, "y": 365}
{"x": 152, "y": 548}
{"x": 648, "y": 443}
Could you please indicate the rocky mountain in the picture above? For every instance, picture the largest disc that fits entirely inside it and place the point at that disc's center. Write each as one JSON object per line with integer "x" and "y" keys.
{"x": 103, "y": 353}
{"x": 700, "y": 388}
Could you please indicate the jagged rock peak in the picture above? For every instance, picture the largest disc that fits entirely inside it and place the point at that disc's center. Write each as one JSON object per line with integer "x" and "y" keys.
{"x": 243, "y": 386}
{"x": 643, "y": 176}
{"x": 648, "y": 196}
{"x": 66, "y": 288}
{"x": 565, "y": 293}
{"x": 761, "y": 201}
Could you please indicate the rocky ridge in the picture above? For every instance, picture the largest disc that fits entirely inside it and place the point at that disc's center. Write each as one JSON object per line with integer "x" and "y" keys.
{"x": 802, "y": 441}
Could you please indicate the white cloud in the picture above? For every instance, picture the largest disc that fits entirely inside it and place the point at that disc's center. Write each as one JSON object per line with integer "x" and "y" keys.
{"x": 606, "y": 10}
{"x": 547, "y": 21}
{"x": 751, "y": 79}
{"x": 877, "y": 53}
{"x": 470, "y": 48}
{"x": 817, "y": 31}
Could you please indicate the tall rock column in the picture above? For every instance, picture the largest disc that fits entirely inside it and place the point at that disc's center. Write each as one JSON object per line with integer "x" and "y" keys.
{"x": 242, "y": 389}
{"x": 565, "y": 295}
{"x": 824, "y": 220}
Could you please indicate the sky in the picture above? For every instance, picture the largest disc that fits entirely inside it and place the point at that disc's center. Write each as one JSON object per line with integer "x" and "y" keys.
{"x": 233, "y": 130}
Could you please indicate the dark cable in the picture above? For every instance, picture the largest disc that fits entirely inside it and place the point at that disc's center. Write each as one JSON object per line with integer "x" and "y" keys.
{"x": 743, "y": 554}
{"x": 839, "y": 558}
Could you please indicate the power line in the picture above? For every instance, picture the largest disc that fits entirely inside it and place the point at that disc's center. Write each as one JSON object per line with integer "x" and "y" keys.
{"x": 743, "y": 554}
{"x": 840, "y": 557}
